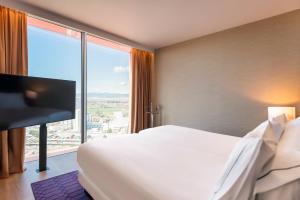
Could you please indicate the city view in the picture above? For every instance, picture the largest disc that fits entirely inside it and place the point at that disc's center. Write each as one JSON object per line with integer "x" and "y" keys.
{"x": 55, "y": 52}
{"x": 107, "y": 115}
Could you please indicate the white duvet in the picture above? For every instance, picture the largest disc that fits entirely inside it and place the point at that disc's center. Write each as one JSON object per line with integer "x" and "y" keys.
{"x": 168, "y": 163}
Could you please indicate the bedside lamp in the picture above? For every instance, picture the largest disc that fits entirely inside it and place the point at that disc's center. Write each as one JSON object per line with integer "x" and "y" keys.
{"x": 290, "y": 112}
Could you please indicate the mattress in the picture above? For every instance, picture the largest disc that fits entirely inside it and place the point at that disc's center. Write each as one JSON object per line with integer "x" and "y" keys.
{"x": 168, "y": 162}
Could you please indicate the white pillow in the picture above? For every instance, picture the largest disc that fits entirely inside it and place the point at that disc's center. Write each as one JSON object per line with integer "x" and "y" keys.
{"x": 245, "y": 163}
{"x": 278, "y": 125}
{"x": 285, "y": 167}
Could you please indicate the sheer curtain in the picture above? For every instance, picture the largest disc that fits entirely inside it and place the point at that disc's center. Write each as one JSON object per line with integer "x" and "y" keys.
{"x": 141, "y": 75}
{"x": 13, "y": 60}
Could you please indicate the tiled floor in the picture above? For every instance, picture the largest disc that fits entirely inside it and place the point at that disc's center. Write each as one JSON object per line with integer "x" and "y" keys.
{"x": 17, "y": 186}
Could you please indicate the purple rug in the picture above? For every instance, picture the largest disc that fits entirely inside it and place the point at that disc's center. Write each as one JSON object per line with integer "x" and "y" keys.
{"x": 63, "y": 187}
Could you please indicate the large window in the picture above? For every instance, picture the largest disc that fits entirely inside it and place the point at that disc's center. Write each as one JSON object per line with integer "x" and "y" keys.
{"x": 107, "y": 88}
{"x": 54, "y": 52}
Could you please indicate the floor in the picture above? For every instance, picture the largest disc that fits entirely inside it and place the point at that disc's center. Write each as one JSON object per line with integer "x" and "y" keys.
{"x": 18, "y": 186}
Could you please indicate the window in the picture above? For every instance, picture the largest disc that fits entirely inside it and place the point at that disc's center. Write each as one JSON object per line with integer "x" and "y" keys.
{"x": 54, "y": 52}
{"x": 107, "y": 88}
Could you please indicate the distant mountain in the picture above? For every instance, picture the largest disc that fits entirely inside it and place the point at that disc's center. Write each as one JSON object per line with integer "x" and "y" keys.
{"x": 107, "y": 95}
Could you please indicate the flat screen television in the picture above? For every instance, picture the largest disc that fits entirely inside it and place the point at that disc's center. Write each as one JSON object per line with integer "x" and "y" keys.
{"x": 27, "y": 101}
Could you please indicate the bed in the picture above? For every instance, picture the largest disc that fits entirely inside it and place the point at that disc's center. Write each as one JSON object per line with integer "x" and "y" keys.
{"x": 171, "y": 163}
{"x": 125, "y": 167}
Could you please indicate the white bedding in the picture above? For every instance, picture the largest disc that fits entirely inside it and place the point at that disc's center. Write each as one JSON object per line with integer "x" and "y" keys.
{"x": 246, "y": 162}
{"x": 146, "y": 166}
{"x": 289, "y": 191}
{"x": 285, "y": 167}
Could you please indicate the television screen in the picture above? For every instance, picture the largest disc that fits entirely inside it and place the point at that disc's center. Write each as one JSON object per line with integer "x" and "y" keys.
{"x": 27, "y": 101}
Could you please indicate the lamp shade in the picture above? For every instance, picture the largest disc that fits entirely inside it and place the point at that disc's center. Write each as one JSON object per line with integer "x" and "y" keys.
{"x": 290, "y": 112}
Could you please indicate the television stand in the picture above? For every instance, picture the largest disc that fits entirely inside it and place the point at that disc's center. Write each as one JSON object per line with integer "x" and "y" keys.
{"x": 43, "y": 148}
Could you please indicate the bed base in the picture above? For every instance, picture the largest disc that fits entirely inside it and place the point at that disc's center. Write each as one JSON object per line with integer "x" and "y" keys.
{"x": 90, "y": 189}
{"x": 88, "y": 194}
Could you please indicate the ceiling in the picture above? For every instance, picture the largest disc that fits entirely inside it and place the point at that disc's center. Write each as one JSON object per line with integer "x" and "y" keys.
{"x": 159, "y": 23}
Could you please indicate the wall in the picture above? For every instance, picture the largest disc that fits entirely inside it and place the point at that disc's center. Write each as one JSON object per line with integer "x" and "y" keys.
{"x": 224, "y": 82}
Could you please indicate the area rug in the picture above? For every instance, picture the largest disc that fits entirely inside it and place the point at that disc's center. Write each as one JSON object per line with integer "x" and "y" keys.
{"x": 63, "y": 187}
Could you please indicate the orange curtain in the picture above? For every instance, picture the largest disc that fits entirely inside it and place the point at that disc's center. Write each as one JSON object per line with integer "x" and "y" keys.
{"x": 141, "y": 72}
{"x": 13, "y": 60}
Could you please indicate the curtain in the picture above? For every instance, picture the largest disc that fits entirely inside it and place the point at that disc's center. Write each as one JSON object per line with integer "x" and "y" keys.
{"x": 140, "y": 96}
{"x": 13, "y": 60}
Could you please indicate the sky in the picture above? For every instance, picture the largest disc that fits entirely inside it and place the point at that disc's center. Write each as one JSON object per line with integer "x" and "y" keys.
{"x": 53, "y": 55}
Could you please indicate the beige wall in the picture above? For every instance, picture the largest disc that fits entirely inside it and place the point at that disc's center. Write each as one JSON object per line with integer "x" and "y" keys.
{"x": 224, "y": 82}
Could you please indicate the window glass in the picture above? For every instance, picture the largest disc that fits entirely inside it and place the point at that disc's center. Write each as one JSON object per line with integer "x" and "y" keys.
{"x": 107, "y": 88}
{"x": 54, "y": 52}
